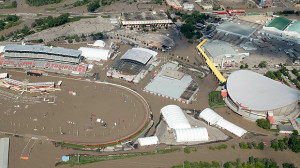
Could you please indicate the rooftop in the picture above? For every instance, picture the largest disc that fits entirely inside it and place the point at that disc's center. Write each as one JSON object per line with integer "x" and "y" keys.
{"x": 169, "y": 86}
{"x": 143, "y": 16}
{"x": 217, "y": 48}
{"x": 42, "y": 49}
{"x": 141, "y": 55}
{"x": 295, "y": 27}
{"x": 279, "y": 23}
{"x": 256, "y": 92}
{"x": 237, "y": 29}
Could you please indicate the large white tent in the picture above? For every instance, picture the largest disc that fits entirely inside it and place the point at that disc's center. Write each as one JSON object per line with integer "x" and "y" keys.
{"x": 210, "y": 116}
{"x": 174, "y": 117}
{"x": 95, "y": 54}
{"x": 238, "y": 131}
{"x": 191, "y": 134}
{"x": 145, "y": 141}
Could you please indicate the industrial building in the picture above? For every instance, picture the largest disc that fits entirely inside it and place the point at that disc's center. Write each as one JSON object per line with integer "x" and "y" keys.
{"x": 264, "y": 3}
{"x": 146, "y": 141}
{"x": 133, "y": 65}
{"x": 42, "y": 57}
{"x": 136, "y": 19}
{"x": 242, "y": 31}
{"x": 222, "y": 54}
{"x": 255, "y": 96}
{"x": 172, "y": 84}
{"x": 213, "y": 118}
{"x": 283, "y": 29}
{"x": 175, "y": 4}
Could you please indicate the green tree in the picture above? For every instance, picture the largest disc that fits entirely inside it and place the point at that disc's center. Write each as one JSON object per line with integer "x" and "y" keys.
{"x": 14, "y": 4}
{"x": 294, "y": 144}
{"x": 246, "y": 66}
{"x": 242, "y": 67}
{"x": 295, "y": 132}
{"x": 70, "y": 40}
{"x": 263, "y": 123}
{"x": 93, "y": 5}
{"x": 263, "y": 64}
{"x": 158, "y": 2}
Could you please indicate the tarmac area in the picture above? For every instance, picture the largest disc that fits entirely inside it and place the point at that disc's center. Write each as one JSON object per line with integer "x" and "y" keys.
{"x": 73, "y": 118}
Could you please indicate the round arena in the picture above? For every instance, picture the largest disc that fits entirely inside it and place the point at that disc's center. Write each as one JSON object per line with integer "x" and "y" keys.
{"x": 255, "y": 96}
{"x": 82, "y": 112}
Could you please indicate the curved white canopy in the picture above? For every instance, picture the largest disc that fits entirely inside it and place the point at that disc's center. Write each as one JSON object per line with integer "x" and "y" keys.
{"x": 191, "y": 134}
{"x": 175, "y": 117}
{"x": 153, "y": 140}
{"x": 95, "y": 54}
{"x": 210, "y": 116}
{"x": 238, "y": 131}
{"x": 141, "y": 55}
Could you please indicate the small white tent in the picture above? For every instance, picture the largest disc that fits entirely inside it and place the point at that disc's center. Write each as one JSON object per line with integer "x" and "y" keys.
{"x": 145, "y": 141}
{"x": 95, "y": 54}
{"x": 174, "y": 117}
{"x": 210, "y": 116}
{"x": 191, "y": 134}
{"x": 99, "y": 43}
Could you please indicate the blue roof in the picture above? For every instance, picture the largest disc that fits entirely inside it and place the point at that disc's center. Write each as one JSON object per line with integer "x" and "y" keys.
{"x": 65, "y": 158}
{"x": 43, "y": 49}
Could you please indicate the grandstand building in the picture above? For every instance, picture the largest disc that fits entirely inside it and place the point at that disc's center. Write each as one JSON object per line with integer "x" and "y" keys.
{"x": 42, "y": 57}
{"x": 136, "y": 19}
{"x": 133, "y": 65}
{"x": 255, "y": 96}
{"x": 283, "y": 29}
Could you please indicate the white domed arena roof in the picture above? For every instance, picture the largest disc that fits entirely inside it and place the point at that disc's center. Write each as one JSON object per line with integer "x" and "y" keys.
{"x": 254, "y": 91}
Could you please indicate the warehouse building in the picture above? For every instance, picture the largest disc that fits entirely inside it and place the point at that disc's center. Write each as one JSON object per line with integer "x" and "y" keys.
{"x": 222, "y": 54}
{"x": 41, "y": 57}
{"x": 283, "y": 29}
{"x": 172, "y": 84}
{"x": 255, "y": 96}
{"x": 133, "y": 65}
{"x": 136, "y": 19}
{"x": 146, "y": 141}
{"x": 240, "y": 30}
{"x": 175, "y": 4}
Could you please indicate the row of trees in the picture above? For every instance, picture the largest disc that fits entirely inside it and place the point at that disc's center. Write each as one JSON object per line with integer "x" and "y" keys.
{"x": 252, "y": 162}
{"x": 263, "y": 123}
{"x": 41, "y": 2}
{"x": 292, "y": 143}
{"x": 80, "y": 3}
{"x": 250, "y": 145}
{"x": 48, "y": 22}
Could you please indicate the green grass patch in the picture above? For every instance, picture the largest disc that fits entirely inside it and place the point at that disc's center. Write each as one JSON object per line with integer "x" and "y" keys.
{"x": 223, "y": 146}
{"x": 86, "y": 159}
{"x": 74, "y": 19}
{"x": 51, "y": 9}
{"x": 215, "y": 99}
{"x": 105, "y": 16}
{"x": 12, "y": 24}
{"x": 7, "y": 134}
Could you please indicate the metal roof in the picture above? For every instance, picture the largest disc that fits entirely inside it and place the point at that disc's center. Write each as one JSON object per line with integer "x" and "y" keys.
{"x": 257, "y": 92}
{"x": 217, "y": 48}
{"x": 143, "y": 16}
{"x": 174, "y": 117}
{"x": 279, "y": 23}
{"x": 295, "y": 27}
{"x": 43, "y": 49}
{"x": 4, "y": 150}
{"x": 141, "y": 55}
{"x": 237, "y": 29}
